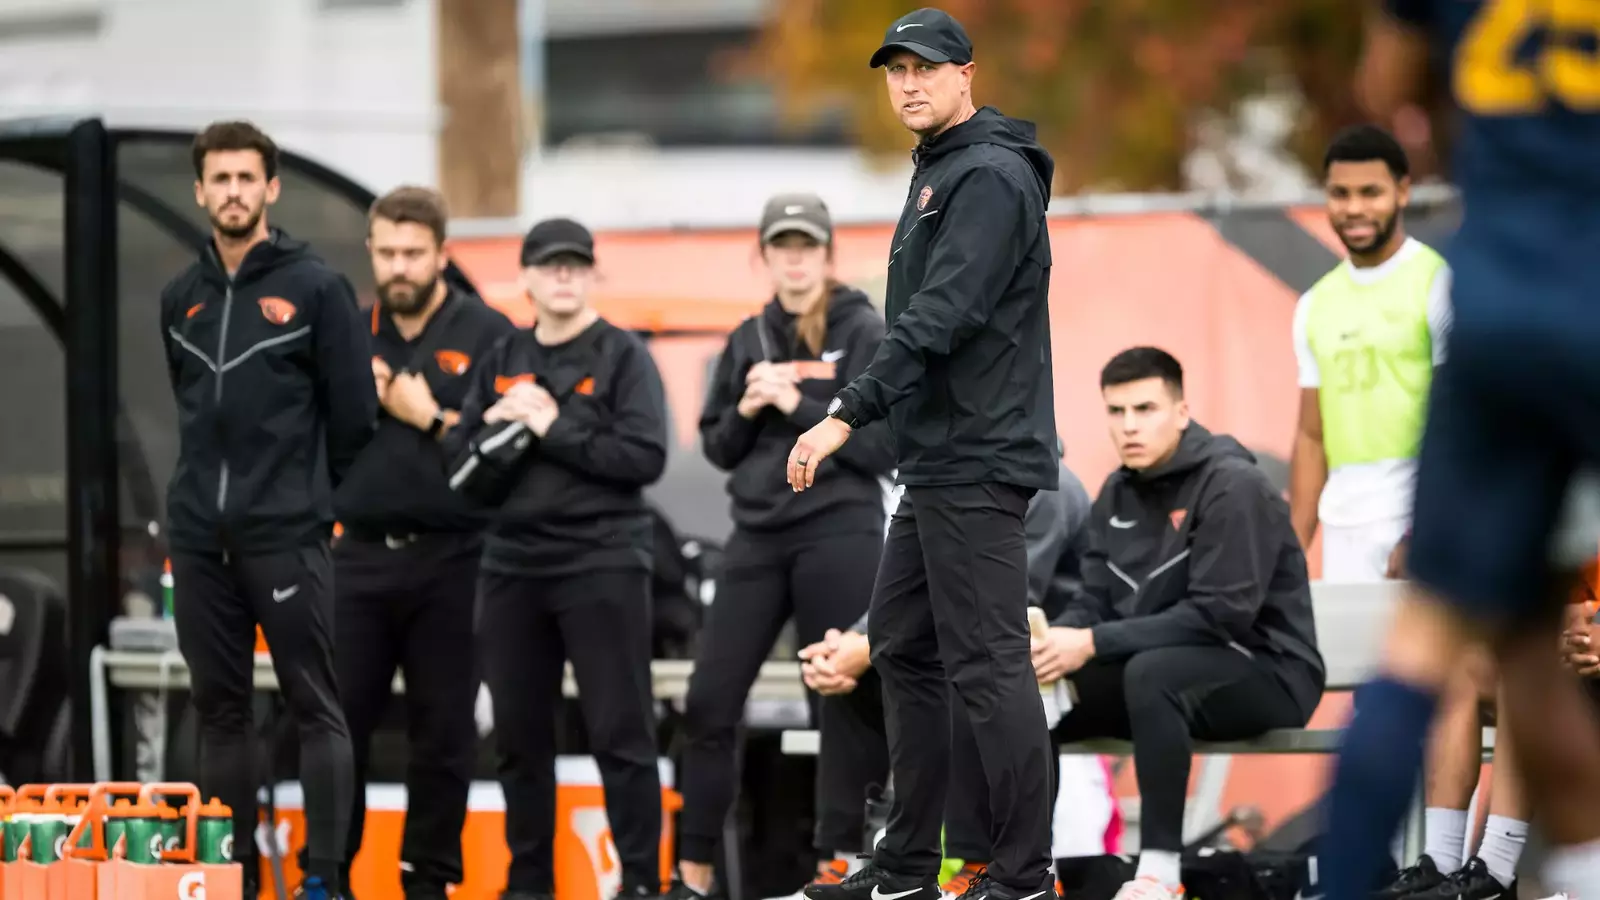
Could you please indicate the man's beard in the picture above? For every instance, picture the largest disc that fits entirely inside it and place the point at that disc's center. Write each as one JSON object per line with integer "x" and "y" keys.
{"x": 237, "y": 232}
{"x": 410, "y": 306}
{"x": 1380, "y": 237}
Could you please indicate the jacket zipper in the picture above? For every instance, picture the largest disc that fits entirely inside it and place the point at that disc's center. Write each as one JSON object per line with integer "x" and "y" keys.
{"x": 222, "y": 345}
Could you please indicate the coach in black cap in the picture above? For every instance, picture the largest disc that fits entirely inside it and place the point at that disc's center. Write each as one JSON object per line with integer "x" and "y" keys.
{"x": 964, "y": 378}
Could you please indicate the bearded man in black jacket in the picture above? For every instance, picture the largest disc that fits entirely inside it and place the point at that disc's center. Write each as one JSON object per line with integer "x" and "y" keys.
{"x": 1195, "y": 619}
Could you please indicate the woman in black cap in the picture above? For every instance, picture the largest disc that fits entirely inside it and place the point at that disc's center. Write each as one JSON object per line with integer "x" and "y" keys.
{"x": 562, "y": 430}
{"x": 812, "y": 558}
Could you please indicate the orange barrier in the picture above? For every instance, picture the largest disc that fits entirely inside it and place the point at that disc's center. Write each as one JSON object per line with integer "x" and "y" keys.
{"x": 586, "y": 865}
{"x": 56, "y": 847}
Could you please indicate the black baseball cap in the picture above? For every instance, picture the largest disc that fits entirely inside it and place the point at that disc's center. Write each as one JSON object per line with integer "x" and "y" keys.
{"x": 553, "y": 237}
{"x": 932, "y": 34}
{"x": 805, "y": 213}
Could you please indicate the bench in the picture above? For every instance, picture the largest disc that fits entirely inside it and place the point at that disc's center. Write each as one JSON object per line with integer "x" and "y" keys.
{"x": 1351, "y": 621}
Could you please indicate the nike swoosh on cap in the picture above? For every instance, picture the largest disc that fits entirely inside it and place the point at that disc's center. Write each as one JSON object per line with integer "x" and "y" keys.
{"x": 900, "y": 28}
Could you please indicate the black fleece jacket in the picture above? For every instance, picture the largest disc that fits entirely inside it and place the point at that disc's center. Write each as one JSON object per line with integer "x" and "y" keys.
{"x": 270, "y": 369}
{"x": 578, "y": 504}
{"x": 964, "y": 373}
{"x": 1196, "y": 552}
{"x": 848, "y": 495}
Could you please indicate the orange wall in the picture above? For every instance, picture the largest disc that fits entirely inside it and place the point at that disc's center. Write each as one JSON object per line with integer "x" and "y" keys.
{"x": 1166, "y": 279}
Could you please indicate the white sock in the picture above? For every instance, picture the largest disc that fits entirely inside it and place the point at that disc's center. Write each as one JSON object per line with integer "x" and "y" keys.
{"x": 1502, "y": 847}
{"x": 1573, "y": 869}
{"x": 1446, "y": 832}
{"x": 1162, "y": 865}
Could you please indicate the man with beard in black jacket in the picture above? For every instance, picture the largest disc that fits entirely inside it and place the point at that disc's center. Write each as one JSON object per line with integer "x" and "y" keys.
{"x": 1195, "y": 618}
{"x": 964, "y": 378}
{"x": 270, "y": 368}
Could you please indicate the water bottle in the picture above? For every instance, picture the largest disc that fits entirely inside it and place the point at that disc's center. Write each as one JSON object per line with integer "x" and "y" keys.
{"x": 166, "y": 588}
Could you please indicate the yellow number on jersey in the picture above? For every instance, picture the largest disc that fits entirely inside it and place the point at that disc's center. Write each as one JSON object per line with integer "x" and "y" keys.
{"x": 1491, "y": 81}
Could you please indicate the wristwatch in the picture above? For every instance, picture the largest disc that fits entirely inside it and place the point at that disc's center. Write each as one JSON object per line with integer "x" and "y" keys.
{"x": 837, "y": 410}
{"x": 436, "y": 427}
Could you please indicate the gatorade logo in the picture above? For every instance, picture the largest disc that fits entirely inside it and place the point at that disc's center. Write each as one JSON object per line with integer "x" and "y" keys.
{"x": 61, "y": 846}
{"x": 174, "y": 842}
{"x": 594, "y": 832}
{"x": 155, "y": 846}
{"x": 225, "y": 848}
{"x": 192, "y": 886}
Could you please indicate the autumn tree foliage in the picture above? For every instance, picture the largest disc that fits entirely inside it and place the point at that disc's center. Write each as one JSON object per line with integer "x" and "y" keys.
{"x": 1115, "y": 86}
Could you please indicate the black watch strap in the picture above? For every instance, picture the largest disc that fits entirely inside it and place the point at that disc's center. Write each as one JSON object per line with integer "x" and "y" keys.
{"x": 840, "y": 410}
{"x": 436, "y": 427}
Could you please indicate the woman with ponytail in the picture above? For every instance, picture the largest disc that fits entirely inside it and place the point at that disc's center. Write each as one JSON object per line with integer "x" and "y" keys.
{"x": 809, "y": 556}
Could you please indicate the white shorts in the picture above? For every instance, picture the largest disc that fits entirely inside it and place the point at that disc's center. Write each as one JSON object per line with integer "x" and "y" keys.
{"x": 1360, "y": 553}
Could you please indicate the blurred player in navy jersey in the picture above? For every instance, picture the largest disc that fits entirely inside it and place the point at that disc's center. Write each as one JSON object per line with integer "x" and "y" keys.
{"x": 1513, "y": 415}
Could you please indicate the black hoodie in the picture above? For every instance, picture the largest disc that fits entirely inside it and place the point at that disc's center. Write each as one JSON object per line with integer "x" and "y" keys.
{"x": 1197, "y": 551}
{"x": 847, "y": 495}
{"x": 964, "y": 373}
{"x": 272, "y": 376}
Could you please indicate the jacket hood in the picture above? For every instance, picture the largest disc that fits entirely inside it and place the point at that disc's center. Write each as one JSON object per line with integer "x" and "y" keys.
{"x": 1196, "y": 446}
{"x": 278, "y": 249}
{"x": 844, "y": 303}
{"x": 988, "y": 126}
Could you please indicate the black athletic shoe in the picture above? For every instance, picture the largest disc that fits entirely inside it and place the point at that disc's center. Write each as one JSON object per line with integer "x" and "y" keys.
{"x": 525, "y": 895}
{"x": 1420, "y": 877}
{"x": 873, "y": 883}
{"x": 1470, "y": 882}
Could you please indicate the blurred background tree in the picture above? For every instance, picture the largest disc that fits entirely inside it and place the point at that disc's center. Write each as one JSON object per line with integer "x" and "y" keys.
{"x": 1123, "y": 91}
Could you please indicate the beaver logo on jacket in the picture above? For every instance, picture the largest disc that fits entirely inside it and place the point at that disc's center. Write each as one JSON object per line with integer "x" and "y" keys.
{"x": 277, "y": 310}
{"x": 452, "y": 362}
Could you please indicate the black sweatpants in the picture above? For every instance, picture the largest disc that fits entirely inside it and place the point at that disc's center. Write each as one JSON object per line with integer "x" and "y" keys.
{"x": 411, "y": 607}
{"x": 530, "y": 628}
{"x": 218, "y": 601}
{"x": 821, "y": 582}
{"x": 1163, "y": 700}
{"x": 950, "y": 610}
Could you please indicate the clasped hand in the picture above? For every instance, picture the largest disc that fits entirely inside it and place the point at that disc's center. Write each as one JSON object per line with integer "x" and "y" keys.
{"x": 770, "y": 384}
{"x": 405, "y": 396}
{"x": 834, "y": 664}
{"x": 527, "y": 403}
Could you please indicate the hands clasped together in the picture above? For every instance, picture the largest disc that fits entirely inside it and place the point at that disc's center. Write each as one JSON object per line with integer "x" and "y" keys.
{"x": 405, "y": 396}
{"x": 527, "y": 403}
{"x": 770, "y": 384}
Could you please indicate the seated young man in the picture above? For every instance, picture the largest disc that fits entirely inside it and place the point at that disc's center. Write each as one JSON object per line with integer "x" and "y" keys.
{"x": 1195, "y": 619}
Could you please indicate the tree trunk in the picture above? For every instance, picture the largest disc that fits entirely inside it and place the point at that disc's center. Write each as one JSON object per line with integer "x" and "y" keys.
{"x": 480, "y": 90}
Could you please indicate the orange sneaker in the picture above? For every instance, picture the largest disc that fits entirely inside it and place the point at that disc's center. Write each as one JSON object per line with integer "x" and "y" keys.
{"x": 831, "y": 872}
{"x": 961, "y": 880}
